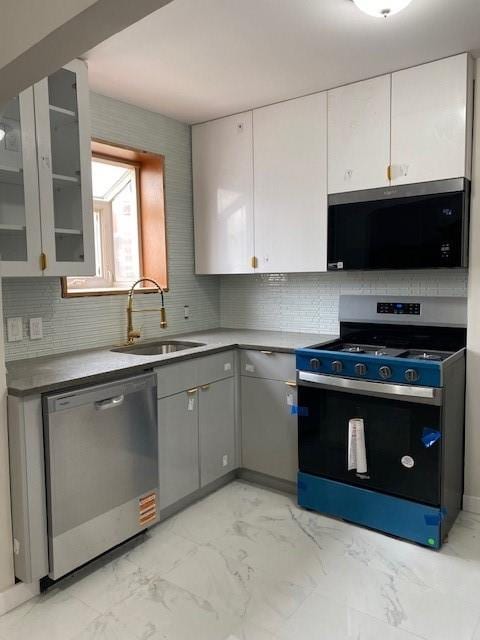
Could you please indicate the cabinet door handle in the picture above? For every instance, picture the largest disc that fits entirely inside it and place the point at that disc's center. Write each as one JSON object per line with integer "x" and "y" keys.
{"x": 267, "y": 353}
{"x": 389, "y": 172}
{"x": 205, "y": 387}
{"x": 290, "y": 383}
{"x": 191, "y": 392}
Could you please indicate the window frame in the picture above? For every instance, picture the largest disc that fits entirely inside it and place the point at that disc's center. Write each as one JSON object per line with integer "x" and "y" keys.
{"x": 148, "y": 184}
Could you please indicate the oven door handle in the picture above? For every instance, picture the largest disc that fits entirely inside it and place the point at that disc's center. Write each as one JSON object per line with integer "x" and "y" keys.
{"x": 426, "y": 395}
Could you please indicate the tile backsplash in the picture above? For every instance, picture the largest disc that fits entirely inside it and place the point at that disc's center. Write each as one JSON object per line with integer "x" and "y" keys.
{"x": 309, "y": 302}
{"x": 80, "y": 323}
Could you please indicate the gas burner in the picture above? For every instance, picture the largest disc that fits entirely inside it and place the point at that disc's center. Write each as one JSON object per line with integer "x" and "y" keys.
{"x": 432, "y": 356}
{"x": 371, "y": 350}
{"x": 351, "y": 349}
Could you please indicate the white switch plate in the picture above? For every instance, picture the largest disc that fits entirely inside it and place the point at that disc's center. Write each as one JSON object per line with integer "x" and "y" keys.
{"x": 14, "y": 329}
{"x": 36, "y": 328}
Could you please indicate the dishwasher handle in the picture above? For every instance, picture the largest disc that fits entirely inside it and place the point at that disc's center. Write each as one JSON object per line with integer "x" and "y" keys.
{"x": 109, "y": 403}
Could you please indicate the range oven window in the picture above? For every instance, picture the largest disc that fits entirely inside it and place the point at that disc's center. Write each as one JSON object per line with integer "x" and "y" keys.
{"x": 394, "y": 432}
{"x": 403, "y": 233}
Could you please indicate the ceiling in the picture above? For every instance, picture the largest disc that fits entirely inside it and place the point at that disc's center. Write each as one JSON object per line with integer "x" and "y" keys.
{"x": 195, "y": 60}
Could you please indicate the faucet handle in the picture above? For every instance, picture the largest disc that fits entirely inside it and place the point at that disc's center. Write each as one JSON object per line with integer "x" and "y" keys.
{"x": 133, "y": 335}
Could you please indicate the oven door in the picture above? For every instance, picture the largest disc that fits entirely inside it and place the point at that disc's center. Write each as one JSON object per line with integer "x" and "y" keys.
{"x": 401, "y": 428}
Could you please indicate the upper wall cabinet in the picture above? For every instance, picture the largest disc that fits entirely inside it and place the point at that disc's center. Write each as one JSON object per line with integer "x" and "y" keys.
{"x": 222, "y": 158}
{"x": 65, "y": 174}
{"x": 431, "y": 121}
{"x": 290, "y": 177}
{"x": 46, "y": 220}
{"x": 411, "y": 126}
{"x": 20, "y": 244}
{"x": 359, "y": 135}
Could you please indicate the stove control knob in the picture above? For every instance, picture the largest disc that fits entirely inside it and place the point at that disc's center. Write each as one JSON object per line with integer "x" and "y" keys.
{"x": 411, "y": 375}
{"x": 315, "y": 363}
{"x": 385, "y": 372}
{"x": 337, "y": 366}
{"x": 360, "y": 369}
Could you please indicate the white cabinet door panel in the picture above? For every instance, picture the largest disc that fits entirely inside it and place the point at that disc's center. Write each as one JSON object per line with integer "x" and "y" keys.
{"x": 223, "y": 195}
{"x": 65, "y": 175}
{"x": 359, "y": 135}
{"x": 20, "y": 240}
{"x": 430, "y": 121}
{"x": 290, "y": 170}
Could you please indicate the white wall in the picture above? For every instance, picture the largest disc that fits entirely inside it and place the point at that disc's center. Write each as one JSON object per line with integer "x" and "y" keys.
{"x": 472, "y": 443}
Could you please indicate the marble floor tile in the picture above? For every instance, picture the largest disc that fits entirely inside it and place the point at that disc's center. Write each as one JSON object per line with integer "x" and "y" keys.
{"x": 54, "y": 616}
{"x": 246, "y": 563}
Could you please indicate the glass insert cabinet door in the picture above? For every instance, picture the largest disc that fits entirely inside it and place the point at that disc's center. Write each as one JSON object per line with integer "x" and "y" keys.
{"x": 20, "y": 241}
{"x": 64, "y": 165}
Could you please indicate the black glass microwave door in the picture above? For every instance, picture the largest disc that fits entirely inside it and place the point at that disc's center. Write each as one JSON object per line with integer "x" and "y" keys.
{"x": 393, "y": 432}
{"x": 409, "y": 233}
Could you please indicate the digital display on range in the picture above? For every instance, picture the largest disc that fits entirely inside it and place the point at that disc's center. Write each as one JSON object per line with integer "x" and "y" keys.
{"x": 400, "y": 308}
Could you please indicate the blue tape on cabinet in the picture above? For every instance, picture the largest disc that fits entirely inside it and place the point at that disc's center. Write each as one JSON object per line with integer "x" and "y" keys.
{"x": 298, "y": 411}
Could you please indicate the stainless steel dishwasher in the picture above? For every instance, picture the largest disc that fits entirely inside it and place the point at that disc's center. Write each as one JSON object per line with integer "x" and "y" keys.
{"x": 101, "y": 468}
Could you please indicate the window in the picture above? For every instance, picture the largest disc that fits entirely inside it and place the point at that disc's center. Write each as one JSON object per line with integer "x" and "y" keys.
{"x": 129, "y": 222}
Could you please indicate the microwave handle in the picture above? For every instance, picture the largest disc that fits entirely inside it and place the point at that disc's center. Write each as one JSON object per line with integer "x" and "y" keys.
{"x": 426, "y": 395}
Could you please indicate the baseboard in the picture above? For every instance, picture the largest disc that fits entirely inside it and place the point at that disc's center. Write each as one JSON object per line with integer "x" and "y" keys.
{"x": 471, "y": 503}
{"x": 196, "y": 496}
{"x": 17, "y": 594}
{"x": 264, "y": 480}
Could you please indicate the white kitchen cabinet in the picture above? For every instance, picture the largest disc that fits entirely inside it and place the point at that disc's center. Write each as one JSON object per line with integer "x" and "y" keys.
{"x": 359, "y": 135}
{"x": 20, "y": 244}
{"x": 431, "y": 121}
{"x": 222, "y": 158}
{"x": 64, "y": 163}
{"x": 46, "y": 219}
{"x": 290, "y": 178}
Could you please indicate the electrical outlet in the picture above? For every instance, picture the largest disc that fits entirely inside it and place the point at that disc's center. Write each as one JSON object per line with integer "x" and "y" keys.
{"x": 225, "y": 461}
{"x": 36, "y": 328}
{"x": 186, "y": 312}
{"x": 14, "y": 329}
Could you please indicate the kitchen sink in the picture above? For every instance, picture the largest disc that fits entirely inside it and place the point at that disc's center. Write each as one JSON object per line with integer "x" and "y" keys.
{"x": 158, "y": 348}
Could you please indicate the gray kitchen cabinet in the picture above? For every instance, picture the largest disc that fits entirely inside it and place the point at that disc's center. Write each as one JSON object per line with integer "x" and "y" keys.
{"x": 216, "y": 429}
{"x": 178, "y": 446}
{"x": 269, "y": 430}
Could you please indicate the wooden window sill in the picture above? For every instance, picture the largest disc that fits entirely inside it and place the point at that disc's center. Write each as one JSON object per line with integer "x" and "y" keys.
{"x": 114, "y": 291}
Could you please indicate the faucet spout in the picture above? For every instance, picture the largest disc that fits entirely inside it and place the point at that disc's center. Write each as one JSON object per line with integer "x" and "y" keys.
{"x": 134, "y": 334}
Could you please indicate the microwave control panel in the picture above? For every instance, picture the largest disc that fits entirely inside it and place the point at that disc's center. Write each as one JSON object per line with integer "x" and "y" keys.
{"x": 402, "y": 308}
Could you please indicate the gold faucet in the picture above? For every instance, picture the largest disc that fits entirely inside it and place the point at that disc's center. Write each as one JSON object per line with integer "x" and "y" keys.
{"x": 133, "y": 334}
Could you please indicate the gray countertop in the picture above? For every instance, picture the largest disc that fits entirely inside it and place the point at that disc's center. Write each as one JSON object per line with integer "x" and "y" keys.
{"x": 53, "y": 373}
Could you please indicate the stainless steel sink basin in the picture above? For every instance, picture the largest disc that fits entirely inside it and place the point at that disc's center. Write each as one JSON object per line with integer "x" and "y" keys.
{"x": 158, "y": 348}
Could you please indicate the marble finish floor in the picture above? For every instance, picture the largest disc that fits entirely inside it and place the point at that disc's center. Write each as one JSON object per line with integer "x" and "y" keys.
{"x": 247, "y": 564}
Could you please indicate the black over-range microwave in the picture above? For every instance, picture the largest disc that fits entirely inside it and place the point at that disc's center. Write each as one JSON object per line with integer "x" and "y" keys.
{"x": 417, "y": 226}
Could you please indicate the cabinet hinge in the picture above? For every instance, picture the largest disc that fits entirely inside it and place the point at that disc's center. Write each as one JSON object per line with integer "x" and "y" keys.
{"x": 389, "y": 172}
{"x": 254, "y": 262}
{"x": 43, "y": 261}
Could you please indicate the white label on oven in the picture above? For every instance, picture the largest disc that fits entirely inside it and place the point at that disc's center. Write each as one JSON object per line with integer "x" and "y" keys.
{"x": 408, "y": 462}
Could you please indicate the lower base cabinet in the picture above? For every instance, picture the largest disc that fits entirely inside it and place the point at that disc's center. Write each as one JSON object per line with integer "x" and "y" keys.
{"x": 269, "y": 430}
{"x": 178, "y": 446}
{"x": 216, "y": 405}
{"x": 196, "y": 426}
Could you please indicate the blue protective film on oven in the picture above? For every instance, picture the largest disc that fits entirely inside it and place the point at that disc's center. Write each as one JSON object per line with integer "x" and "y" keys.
{"x": 430, "y": 436}
{"x": 295, "y": 410}
{"x": 437, "y": 518}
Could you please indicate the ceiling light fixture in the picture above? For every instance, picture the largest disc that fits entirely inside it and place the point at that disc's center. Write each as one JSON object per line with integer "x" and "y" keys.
{"x": 381, "y": 8}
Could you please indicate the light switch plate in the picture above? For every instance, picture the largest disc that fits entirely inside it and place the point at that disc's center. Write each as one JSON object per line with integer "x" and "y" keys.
{"x": 14, "y": 329}
{"x": 36, "y": 328}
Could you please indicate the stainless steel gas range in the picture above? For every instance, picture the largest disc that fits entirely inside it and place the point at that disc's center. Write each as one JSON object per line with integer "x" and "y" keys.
{"x": 381, "y": 416}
